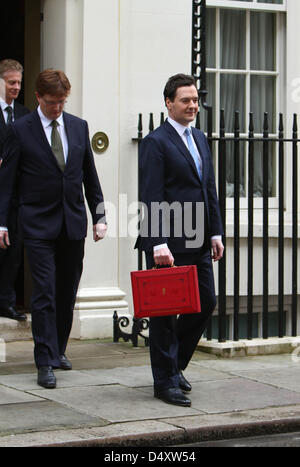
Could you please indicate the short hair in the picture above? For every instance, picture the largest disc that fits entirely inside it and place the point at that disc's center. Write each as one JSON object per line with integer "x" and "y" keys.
{"x": 175, "y": 82}
{"x": 53, "y": 82}
{"x": 9, "y": 64}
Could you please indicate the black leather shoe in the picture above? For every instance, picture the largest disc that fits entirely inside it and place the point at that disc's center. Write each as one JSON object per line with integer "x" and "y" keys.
{"x": 173, "y": 396}
{"x": 184, "y": 385}
{"x": 65, "y": 364}
{"x": 46, "y": 377}
{"x": 11, "y": 313}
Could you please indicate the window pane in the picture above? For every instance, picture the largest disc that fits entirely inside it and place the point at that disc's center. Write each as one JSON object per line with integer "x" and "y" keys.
{"x": 262, "y": 96}
{"x": 258, "y": 156}
{"x": 230, "y": 157}
{"x": 233, "y": 39}
{"x": 211, "y": 38}
{"x": 232, "y": 98}
{"x": 263, "y": 41}
{"x": 278, "y": 2}
{"x": 210, "y": 99}
{"x": 262, "y": 99}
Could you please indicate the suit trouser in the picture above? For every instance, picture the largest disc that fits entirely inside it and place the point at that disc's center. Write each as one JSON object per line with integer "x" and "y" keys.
{"x": 173, "y": 339}
{"x": 56, "y": 267}
{"x": 10, "y": 261}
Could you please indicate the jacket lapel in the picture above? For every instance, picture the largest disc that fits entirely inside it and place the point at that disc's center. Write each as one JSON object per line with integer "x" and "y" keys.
{"x": 181, "y": 146}
{"x": 38, "y": 132}
{"x": 2, "y": 121}
{"x": 69, "y": 132}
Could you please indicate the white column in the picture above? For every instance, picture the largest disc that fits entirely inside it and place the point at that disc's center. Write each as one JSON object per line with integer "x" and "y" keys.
{"x": 82, "y": 38}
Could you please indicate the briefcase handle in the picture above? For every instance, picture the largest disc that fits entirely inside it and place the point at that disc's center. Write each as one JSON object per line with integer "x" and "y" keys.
{"x": 172, "y": 266}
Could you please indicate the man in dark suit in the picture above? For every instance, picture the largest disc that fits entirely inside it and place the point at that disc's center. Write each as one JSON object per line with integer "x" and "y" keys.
{"x": 11, "y": 73}
{"x": 176, "y": 171}
{"x": 49, "y": 153}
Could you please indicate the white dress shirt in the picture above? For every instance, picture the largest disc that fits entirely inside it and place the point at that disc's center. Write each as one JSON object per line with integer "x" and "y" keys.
{"x": 61, "y": 129}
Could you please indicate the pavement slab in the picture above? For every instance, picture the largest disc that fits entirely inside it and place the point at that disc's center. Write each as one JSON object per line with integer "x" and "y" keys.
{"x": 74, "y": 378}
{"x": 13, "y": 396}
{"x": 42, "y": 415}
{"x": 145, "y": 433}
{"x": 115, "y": 403}
{"x": 287, "y": 378}
{"x": 236, "y": 394}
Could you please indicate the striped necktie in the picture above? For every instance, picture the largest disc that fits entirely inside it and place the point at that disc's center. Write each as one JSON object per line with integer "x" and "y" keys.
{"x": 9, "y": 111}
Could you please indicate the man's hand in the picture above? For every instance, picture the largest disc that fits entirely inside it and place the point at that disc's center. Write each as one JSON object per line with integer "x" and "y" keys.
{"x": 217, "y": 249}
{"x": 4, "y": 239}
{"x": 1, "y": 162}
{"x": 99, "y": 231}
{"x": 163, "y": 257}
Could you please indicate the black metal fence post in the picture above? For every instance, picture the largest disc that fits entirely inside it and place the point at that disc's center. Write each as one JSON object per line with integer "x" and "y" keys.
{"x": 250, "y": 229}
{"x": 265, "y": 240}
{"x": 280, "y": 229}
{"x": 222, "y": 201}
{"x": 295, "y": 227}
{"x": 140, "y": 137}
{"x": 236, "y": 240}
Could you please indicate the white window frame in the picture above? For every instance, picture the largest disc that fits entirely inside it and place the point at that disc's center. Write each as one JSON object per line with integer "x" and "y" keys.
{"x": 279, "y": 72}
{"x": 254, "y": 5}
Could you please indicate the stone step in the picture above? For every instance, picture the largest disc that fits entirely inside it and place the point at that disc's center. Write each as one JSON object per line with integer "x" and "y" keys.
{"x": 12, "y": 330}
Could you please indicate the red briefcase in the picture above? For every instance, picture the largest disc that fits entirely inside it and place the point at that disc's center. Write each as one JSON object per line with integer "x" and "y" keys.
{"x": 165, "y": 291}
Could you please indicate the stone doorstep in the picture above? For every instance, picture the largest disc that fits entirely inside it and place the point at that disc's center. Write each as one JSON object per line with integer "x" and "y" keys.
{"x": 12, "y": 330}
{"x": 244, "y": 347}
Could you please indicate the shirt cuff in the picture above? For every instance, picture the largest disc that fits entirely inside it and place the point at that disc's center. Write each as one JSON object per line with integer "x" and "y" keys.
{"x": 159, "y": 247}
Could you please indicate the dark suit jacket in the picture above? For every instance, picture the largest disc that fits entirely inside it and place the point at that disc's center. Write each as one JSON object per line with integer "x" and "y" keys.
{"x": 48, "y": 197}
{"x": 19, "y": 111}
{"x": 168, "y": 174}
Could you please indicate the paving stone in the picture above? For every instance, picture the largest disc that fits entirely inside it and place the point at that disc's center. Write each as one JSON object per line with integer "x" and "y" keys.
{"x": 115, "y": 403}
{"x": 41, "y": 416}
{"x": 12, "y": 396}
{"x": 230, "y": 395}
{"x": 287, "y": 378}
{"x": 233, "y": 365}
{"x": 145, "y": 432}
{"x": 74, "y": 378}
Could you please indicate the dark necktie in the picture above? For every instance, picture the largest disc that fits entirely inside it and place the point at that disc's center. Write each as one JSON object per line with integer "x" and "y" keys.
{"x": 9, "y": 111}
{"x": 57, "y": 146}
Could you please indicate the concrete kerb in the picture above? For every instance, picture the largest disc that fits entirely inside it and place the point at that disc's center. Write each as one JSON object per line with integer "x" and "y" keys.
{"x": 170, "y": 438}
{"x": 166, "y": 432}
{"x": 246, "y": 348}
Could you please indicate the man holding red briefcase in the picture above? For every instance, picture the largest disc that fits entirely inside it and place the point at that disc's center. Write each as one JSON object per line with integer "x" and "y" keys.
{"x": 182, "y": 226}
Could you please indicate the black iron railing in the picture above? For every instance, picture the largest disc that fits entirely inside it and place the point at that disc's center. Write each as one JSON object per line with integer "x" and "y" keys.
{"x": 226, "y": 145}
{"x": 223, "y": 146}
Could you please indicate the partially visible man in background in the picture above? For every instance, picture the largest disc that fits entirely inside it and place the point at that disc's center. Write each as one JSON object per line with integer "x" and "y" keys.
{"x": 11, "y": 73}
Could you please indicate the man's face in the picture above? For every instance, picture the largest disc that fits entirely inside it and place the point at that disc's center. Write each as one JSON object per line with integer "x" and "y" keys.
{"x": 13, "y": 81}
{"x": 185, "y": 106}
{"x": 51, "y": 106}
